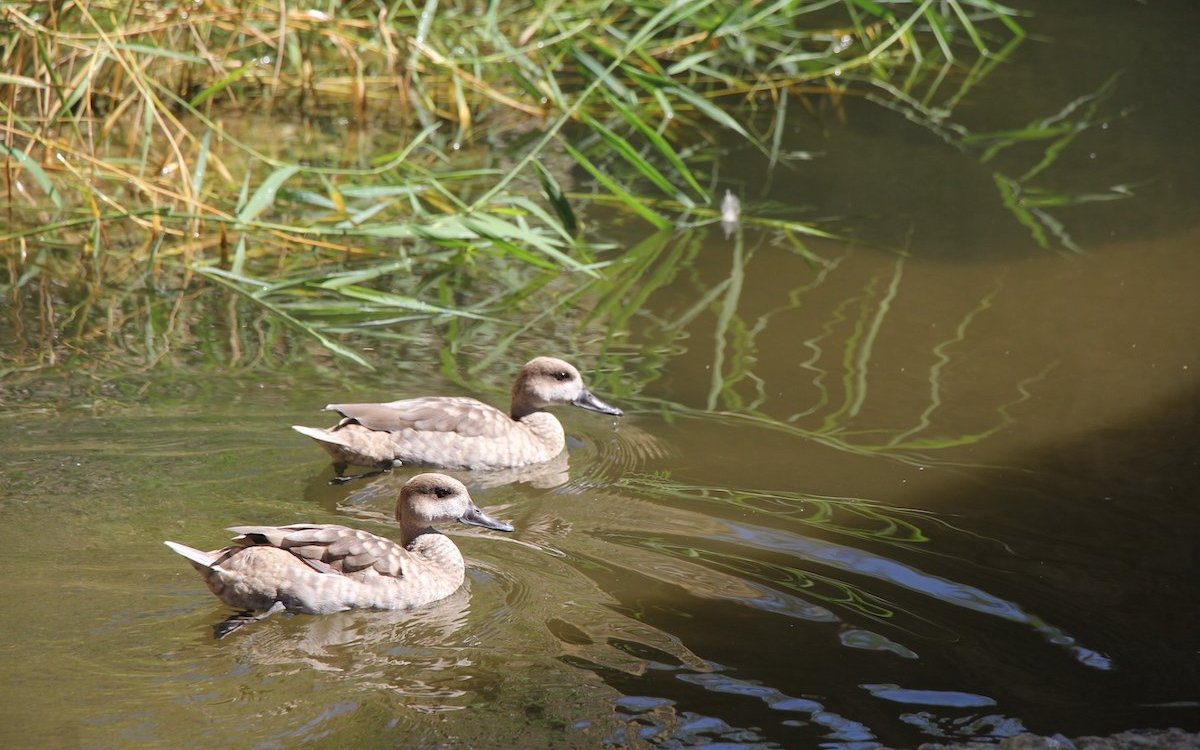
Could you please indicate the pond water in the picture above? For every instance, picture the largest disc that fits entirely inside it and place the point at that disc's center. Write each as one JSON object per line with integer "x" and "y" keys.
{"x": 860, "y": 497}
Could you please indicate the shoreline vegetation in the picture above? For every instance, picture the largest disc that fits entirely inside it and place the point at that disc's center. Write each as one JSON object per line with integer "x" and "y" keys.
{"x": 494, "y": 132}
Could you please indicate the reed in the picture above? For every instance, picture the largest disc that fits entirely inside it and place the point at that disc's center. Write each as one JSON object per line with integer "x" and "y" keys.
{"x": 123, "y": 140}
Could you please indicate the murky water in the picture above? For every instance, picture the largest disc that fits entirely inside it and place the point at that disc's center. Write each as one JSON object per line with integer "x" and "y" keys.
{"x": 867, "y": 498}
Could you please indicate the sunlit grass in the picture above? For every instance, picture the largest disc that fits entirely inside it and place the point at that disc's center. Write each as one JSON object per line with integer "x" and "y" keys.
{"x": 494, "y": 136}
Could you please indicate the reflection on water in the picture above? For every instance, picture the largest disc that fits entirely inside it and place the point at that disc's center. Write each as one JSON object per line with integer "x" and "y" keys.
{"x": 765, "y": 576}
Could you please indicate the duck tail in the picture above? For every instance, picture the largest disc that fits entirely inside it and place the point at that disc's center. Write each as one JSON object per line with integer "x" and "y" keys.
{"x": 318, "y": 434}
{"x": 198, "y": 558}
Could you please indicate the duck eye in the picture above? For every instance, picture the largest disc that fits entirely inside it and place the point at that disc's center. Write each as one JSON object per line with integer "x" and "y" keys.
{"x": 441, "y": 491}
{"x": 562, "y": 375}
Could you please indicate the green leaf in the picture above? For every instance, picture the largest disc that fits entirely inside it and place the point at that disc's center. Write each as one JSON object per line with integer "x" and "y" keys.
{"x": 619, "y": 192}
{"x": 601, "y": 73}
{"x": 660, "y": 143}
{"x": 711, "y": 111}
{"x": 265, "y": 194}
{"x": 337, "y": 281}
{"x": 220, "y": 85}
{"x": 239, "y": 256}
{"x": 36, "y": 172}
{"x": 630, "y": 154}
{"x": 230, "y": 281}
{"x": 557, "y": 200}
{"x": 151, "y": 51}
{"x": 387, "y": 299}
{"x": 201, "y": 163}
{"x": 8, "y": 78}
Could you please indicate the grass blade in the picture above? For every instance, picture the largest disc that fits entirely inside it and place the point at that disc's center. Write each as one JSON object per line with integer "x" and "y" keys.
{"x": 220, "y": 85}
{"x": 641, "y": 209}
{"x": 399, "y": 301}
{"x": 36, "y": 172}
{"x": 265, "y": 194}
{"x": 554, "y": 195}
{"x": 660, "y": 143}
{"x": 226, "y": 280}
{"x": 627, "y": 152}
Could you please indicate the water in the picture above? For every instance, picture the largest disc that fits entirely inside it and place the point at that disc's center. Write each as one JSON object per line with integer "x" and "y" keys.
{"x": 870, "y": 499}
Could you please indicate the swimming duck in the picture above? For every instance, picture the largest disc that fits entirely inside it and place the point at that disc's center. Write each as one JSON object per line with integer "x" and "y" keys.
{"x": 321, "y": 568}
{"x": 457, "y": 432}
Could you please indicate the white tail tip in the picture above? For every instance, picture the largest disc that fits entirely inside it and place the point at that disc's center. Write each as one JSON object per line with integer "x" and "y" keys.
{"x": 195, "y": 555}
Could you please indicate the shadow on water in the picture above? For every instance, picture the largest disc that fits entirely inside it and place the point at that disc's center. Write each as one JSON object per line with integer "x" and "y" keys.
{"x": 1081, "y": 558}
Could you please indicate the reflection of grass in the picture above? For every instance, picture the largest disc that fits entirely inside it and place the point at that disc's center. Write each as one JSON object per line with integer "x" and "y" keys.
{"x": 766, "y": 551}
{"x": 1029, "y": 203}
{"x": 853, "y": 517}
{"x": 808, "y": 585}
{"x": 477, "y": 321}
{"x": 841, "y": 359}
{"x": 857, "y": 350}
{"x": 936, "y": 371}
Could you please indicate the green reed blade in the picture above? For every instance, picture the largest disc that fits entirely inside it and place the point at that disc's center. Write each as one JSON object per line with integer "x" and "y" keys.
{"x": 627, "y": 152}
{"x": 264, "y": 196}
{"x": 201, "y": 163}
{"x": 637, "y": 206}
{"x": 37, "y": 173}
{"x": 220, "y": 84}
{"x": 388, "y": 299}
{"x": 554, "y": 195}
{"x": 230, "y": 282}
{"x": 664, "y": 149}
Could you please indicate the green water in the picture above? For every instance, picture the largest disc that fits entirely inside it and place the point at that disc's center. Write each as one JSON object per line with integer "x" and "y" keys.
{"x": 858, "y": 498}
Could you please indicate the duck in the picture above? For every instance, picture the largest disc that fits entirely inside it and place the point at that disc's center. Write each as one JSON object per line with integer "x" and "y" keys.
{"x": 324, "y": 568}
{"x": 459, "y": 432}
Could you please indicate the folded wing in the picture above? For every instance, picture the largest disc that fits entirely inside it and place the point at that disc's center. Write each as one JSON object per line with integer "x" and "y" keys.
{"x": 329, "y": 548}
{"x": 463, "y": 416}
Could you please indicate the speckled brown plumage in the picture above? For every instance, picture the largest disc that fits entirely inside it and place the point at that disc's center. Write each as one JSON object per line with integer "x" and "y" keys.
{"x": 458, "y": 432}
{"x": 320, "y": 568}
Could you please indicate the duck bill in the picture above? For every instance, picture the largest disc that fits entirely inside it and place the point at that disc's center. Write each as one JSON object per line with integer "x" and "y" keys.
{"x": 586, "y": 400}
{"x": 477, "y": 517}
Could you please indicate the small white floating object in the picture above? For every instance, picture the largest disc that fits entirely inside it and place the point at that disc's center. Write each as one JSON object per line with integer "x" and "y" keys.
{"x": 731, "y": 208}
{"x": 731, "y": 213}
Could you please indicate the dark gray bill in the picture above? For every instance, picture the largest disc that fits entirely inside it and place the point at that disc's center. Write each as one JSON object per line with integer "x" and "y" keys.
{"x": 587, "y": 401}
{"x": 477, "y": 517}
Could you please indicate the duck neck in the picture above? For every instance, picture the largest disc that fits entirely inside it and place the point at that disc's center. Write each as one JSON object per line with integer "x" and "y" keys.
{"x": 520, "y": 411}
{"x": 410, "y": 532}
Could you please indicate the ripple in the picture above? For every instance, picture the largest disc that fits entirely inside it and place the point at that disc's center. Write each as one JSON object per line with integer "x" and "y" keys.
{"x": 606, "y": 457}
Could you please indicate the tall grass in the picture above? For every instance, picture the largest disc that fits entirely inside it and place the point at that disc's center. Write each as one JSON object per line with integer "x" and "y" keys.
{"x": 123, "y": 147}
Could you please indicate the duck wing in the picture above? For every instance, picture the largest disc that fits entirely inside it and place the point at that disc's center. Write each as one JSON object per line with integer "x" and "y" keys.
{"x": 329, "y": 548}
{"x": 464, "y": 416}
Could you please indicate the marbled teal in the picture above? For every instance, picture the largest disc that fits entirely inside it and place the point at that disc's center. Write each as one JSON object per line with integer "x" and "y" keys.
{"x": 322, "y": 568}
{"x": 458, "y": 432}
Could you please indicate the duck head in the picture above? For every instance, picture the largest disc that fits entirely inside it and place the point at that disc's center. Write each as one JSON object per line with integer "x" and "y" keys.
{"x": 547, "y": 381}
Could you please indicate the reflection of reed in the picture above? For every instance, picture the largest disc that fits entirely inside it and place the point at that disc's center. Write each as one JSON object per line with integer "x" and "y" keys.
{"x": 846, "y": 347}
{"x": 1029, "y": 203}
{"x": 854, "y": 517}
